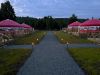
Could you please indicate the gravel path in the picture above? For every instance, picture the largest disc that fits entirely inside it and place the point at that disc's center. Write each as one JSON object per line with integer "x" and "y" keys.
{"x": 50, "y": 58}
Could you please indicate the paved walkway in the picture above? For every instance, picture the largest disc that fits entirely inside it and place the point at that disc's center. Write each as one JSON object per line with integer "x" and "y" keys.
{"x": 70, "y": 46}
{"x": 18, "y": 46}
{"x": 50, "y": 58}
{"x": 83, "y": 45}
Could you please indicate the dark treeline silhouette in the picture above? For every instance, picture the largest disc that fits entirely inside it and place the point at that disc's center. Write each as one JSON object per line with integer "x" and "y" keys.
{"x": 46, "y": 23}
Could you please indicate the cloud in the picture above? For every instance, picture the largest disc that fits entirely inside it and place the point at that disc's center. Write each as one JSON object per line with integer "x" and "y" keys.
{"x": 56, "y": 8}
{"x": 1, "y": 1}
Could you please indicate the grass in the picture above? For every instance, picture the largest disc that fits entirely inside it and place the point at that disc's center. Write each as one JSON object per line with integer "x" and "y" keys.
{"x": 12, "y": 59}
{"x": 64, "y": 38}
{"x": 35, "y": 38}
{"x": 88, "y": 59}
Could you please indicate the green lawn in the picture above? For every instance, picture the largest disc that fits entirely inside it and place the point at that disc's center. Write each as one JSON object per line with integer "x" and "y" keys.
{"x": 64, "y": 38}
{"x": 12, "y": 59}
{"x": 88, "y": 59}
{"x": 35, "y": 38}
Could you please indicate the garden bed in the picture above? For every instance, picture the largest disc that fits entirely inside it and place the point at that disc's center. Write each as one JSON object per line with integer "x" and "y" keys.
{"x": 65, "y": 37}
{"x": 36, "y": 37}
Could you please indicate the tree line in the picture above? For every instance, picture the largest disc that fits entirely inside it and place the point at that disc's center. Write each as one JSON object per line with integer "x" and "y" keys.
{"x": 46, "y": 23}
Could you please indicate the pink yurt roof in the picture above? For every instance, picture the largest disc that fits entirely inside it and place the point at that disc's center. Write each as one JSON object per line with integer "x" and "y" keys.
{"x": 9, "y": 23}
{"x": 26, "y": 26}
{"x": 92, "y": 22}
{"x": 75, "y": 23}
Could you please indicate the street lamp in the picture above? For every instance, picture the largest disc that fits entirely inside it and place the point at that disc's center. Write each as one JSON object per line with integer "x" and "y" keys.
{"x": 62, "y": 39}
{"x": 37, "y": 39}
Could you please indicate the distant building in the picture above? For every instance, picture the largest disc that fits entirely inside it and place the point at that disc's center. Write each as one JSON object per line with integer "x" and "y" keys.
{"x": 89, "y": 28}
{"x": 27, "y": 29}
{"x": 10, "y": 27}
{"x": 74, "y": 28}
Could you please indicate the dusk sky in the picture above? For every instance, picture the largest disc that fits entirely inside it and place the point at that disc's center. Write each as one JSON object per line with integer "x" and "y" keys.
{"x": 57, "y": 8}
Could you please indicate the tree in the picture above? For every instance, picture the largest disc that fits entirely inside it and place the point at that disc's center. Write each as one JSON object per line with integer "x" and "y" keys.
{"x": 51, "y": 23}
{"x": 7, "y": 11}
{"x": 72, "y": 19}
{"x": 1, "y": 15}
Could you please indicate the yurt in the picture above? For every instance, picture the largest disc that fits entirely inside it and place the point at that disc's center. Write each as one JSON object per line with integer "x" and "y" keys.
{"x": 27, "y": 28}
{"x": 90, "y": 27}
{"x": 73, "y": 27}
{"x": 10, "y": 27}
